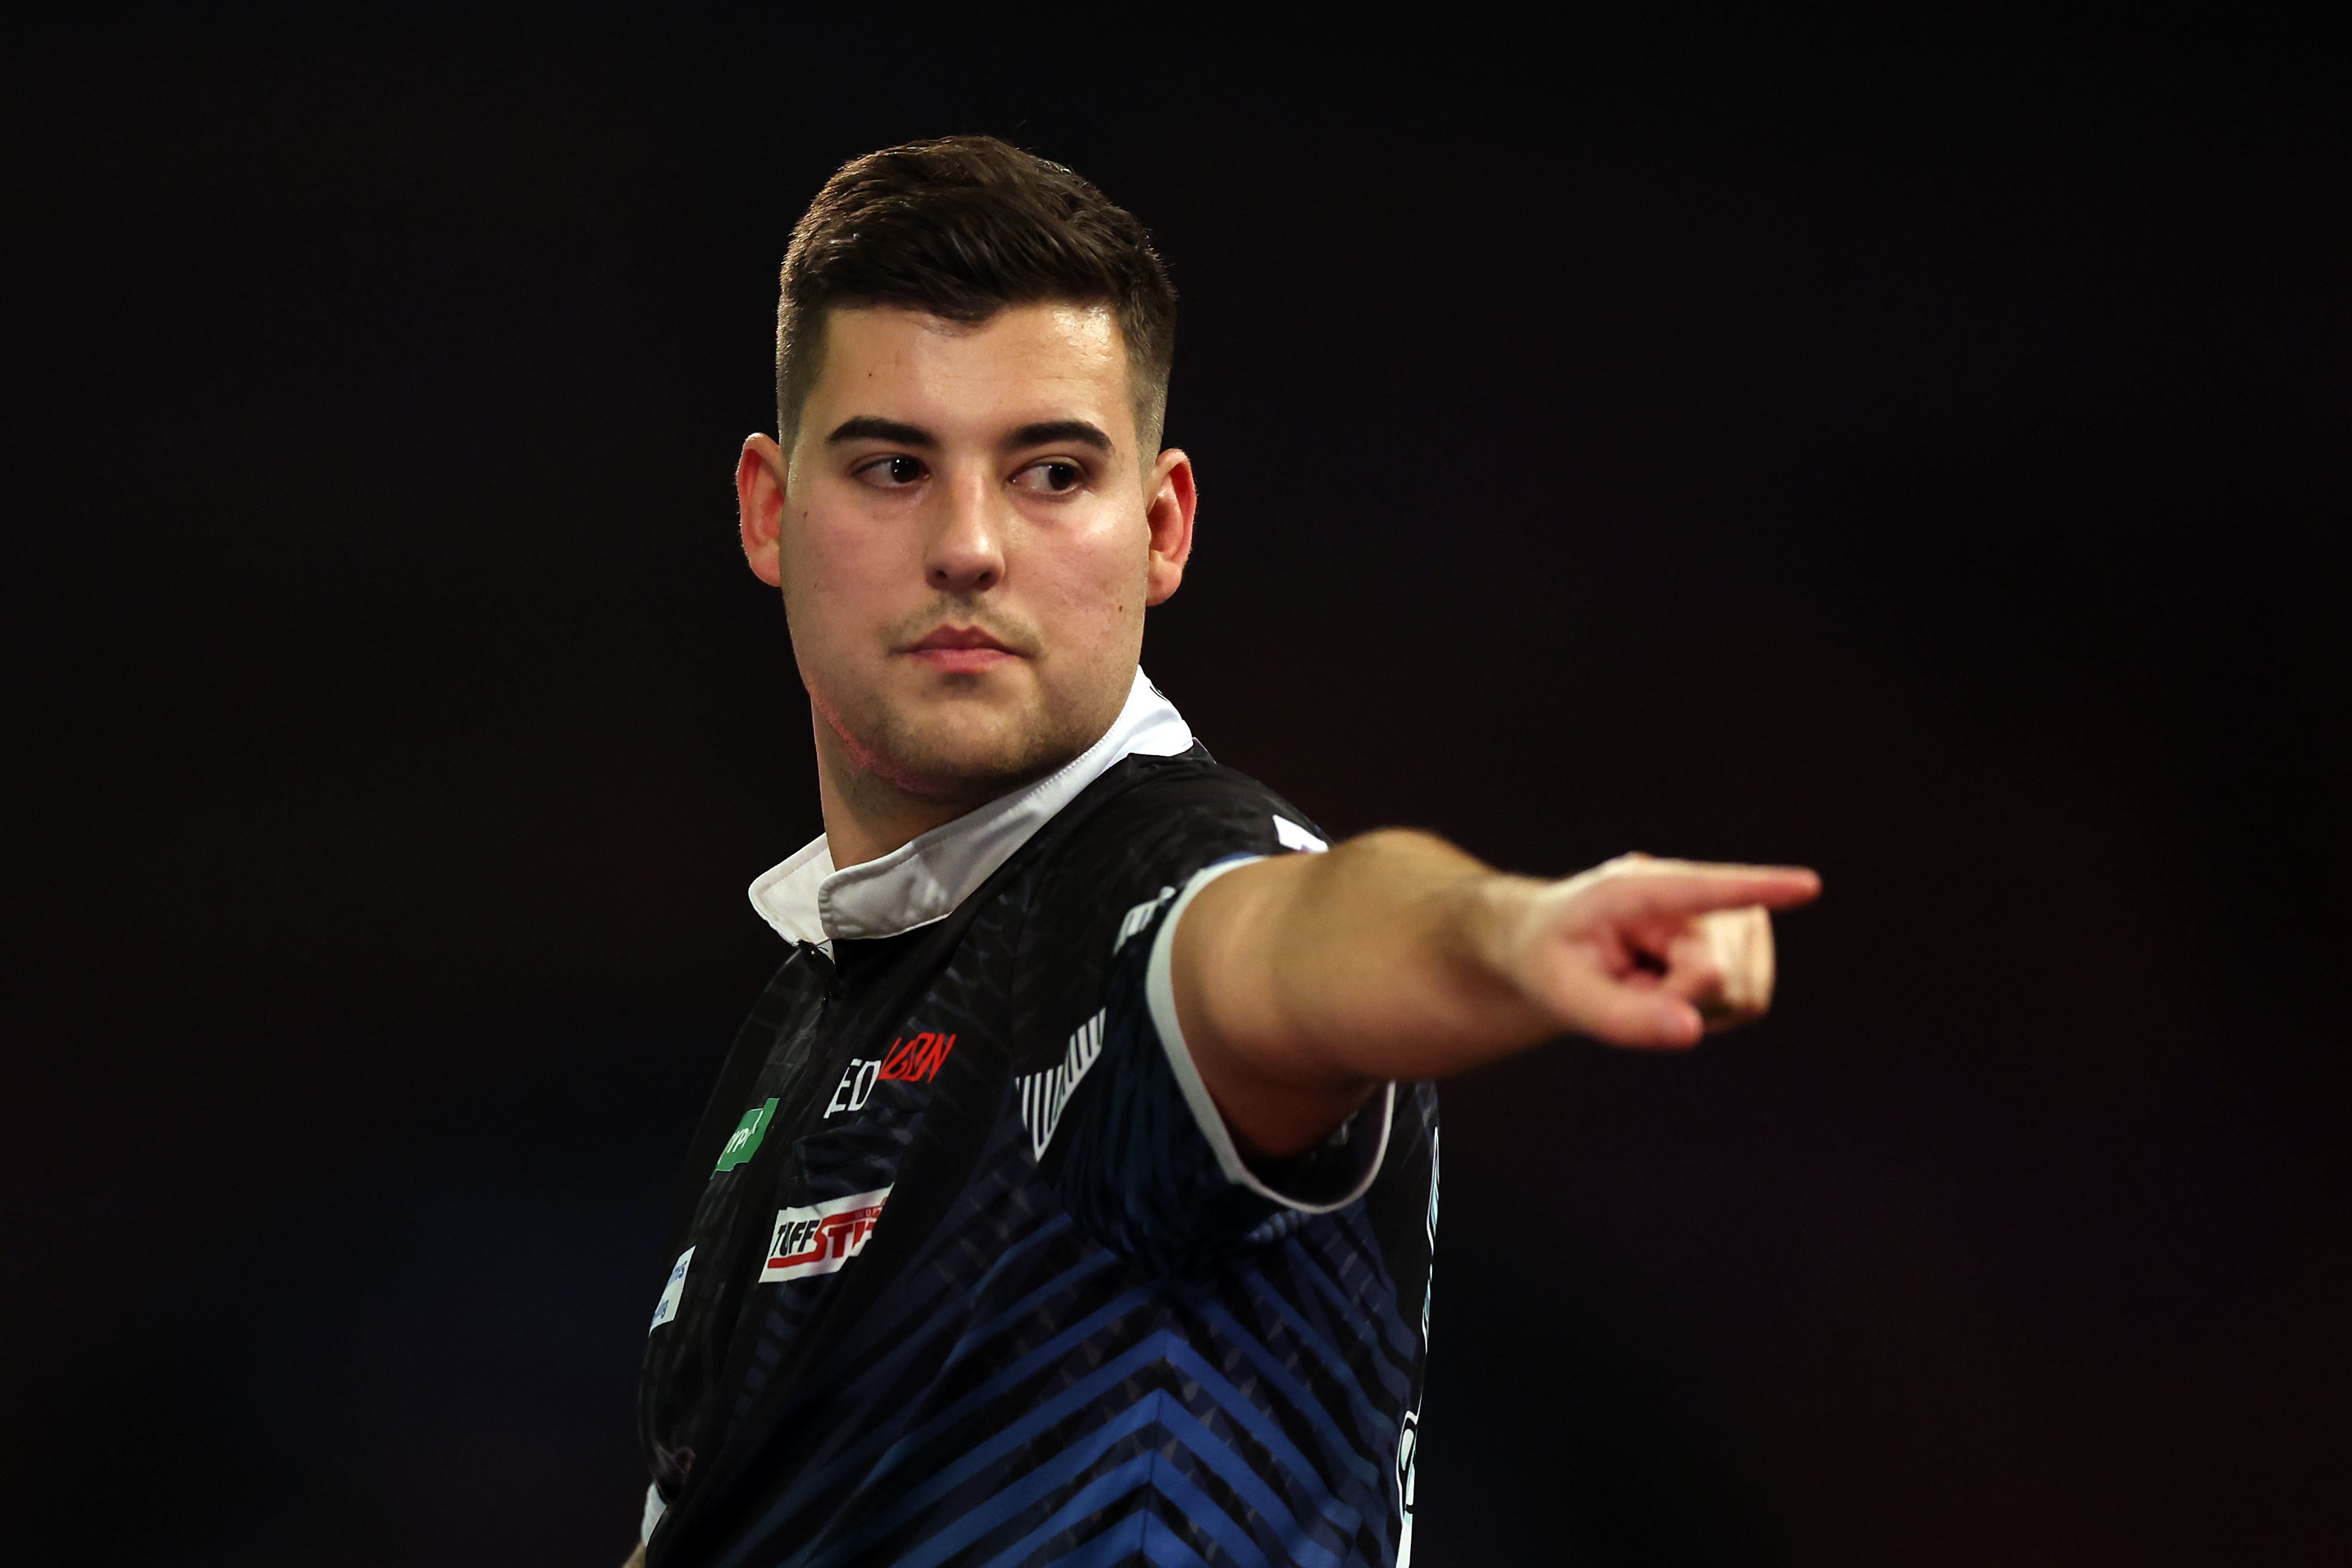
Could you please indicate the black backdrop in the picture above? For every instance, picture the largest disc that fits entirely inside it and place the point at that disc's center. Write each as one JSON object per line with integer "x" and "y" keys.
{"x": 1918, "y": 456}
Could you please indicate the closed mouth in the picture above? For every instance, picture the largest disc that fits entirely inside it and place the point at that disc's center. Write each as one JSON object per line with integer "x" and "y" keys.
{"x": 947, "y": 640}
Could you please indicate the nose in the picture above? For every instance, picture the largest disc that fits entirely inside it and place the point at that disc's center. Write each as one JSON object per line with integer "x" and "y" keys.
{"x": 967, "y": 546}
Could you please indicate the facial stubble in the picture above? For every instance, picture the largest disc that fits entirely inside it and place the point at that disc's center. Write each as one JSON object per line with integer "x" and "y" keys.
{"x": 952, "y": 740}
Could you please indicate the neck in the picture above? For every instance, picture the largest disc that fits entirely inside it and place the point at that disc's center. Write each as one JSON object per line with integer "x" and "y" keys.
{"x": 867, "y": 815}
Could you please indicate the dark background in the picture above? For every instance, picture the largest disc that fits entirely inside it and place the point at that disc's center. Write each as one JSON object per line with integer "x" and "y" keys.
{"x": 1918, "y": 453}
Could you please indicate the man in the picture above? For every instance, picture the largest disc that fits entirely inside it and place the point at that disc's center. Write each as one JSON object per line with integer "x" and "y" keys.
{"x": 1069, "y": 1195}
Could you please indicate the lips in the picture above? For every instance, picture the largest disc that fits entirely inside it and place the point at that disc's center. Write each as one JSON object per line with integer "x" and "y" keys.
{"x": 959, "y": 650}
{"x": 948, "y": 638}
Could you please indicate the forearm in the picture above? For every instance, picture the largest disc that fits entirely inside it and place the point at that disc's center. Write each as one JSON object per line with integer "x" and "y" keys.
{"x": 1303, "y": 980}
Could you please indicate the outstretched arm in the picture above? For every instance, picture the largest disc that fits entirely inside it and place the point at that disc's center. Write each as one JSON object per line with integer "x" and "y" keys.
{"x": 1302, "y": 981}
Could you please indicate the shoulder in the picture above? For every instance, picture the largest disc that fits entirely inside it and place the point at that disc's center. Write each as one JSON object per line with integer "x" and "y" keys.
{"x": 1156, "y": 807}
{"x": 1126, "y": 850}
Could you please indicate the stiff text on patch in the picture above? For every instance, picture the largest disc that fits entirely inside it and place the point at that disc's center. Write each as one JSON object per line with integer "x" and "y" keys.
{"x": 820, "y": 1239}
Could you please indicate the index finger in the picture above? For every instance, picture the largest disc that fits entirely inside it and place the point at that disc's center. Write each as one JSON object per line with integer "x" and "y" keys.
{"x": 1695, "y": 887}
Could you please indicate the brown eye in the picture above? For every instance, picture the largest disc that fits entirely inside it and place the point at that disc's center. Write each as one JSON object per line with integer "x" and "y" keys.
{"x": 1053, "y": 478}
{"x": 894, "y": 472}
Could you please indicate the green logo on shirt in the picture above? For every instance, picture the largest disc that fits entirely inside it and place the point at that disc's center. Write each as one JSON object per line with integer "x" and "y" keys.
{"x": 745, "y": 1141}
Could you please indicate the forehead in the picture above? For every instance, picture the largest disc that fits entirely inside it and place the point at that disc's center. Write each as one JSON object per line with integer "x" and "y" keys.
{"x": 1024, "y": 363}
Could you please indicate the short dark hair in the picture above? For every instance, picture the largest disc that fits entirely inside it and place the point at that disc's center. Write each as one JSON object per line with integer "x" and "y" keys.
{"x": 961, "y": 227}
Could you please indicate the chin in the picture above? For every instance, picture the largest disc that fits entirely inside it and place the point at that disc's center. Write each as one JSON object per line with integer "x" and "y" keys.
{"x": 964, "y": 754}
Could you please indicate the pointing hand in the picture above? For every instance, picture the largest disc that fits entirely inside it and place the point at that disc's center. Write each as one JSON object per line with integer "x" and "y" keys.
{"x": 1650, "y": 953}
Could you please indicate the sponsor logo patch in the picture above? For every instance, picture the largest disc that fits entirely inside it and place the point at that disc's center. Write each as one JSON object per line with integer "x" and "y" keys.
{"x": 744, "y": 1142}
{"x": 666, "y": 1308}
{"x": 821, "y": 1237}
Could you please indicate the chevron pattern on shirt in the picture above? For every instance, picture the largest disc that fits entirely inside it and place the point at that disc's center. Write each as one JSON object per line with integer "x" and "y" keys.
{"x": 1061, "y": 1406}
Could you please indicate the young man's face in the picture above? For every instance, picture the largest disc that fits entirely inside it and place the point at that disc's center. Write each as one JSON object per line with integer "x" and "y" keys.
{"x": 967, "y": 538}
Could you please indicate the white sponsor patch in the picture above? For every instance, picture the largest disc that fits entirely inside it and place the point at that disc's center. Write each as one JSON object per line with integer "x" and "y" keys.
{"x": 1290, "y": 836}
{"x": 666, "y": 1308}
{"x": 821, "y": 1237}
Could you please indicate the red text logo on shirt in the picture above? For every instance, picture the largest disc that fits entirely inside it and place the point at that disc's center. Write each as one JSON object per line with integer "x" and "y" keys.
{"x": 916, "y": 1061}
{"x": 821, "y": 1238}
{"x": 907, "y": 1061}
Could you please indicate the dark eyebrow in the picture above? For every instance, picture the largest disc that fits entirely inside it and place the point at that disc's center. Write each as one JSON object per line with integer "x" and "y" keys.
{"x": 868, "y": 428}
{"x": 1052, "y": 431}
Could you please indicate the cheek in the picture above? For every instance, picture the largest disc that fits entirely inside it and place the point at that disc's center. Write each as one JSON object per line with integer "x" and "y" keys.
{"x": 833, "y": 568}
{"x": 1097, "y": 592}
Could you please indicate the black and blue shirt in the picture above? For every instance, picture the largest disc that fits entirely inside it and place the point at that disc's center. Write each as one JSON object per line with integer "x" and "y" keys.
{"x": 969, "y": 1269}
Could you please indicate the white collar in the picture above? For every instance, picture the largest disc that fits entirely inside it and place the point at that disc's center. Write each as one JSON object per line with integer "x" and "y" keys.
{"x": 924, "y": 879}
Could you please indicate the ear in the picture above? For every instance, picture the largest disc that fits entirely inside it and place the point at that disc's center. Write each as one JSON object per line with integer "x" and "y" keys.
{"x": 760, "y": 478}
{"x": 1170, "y": 501}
